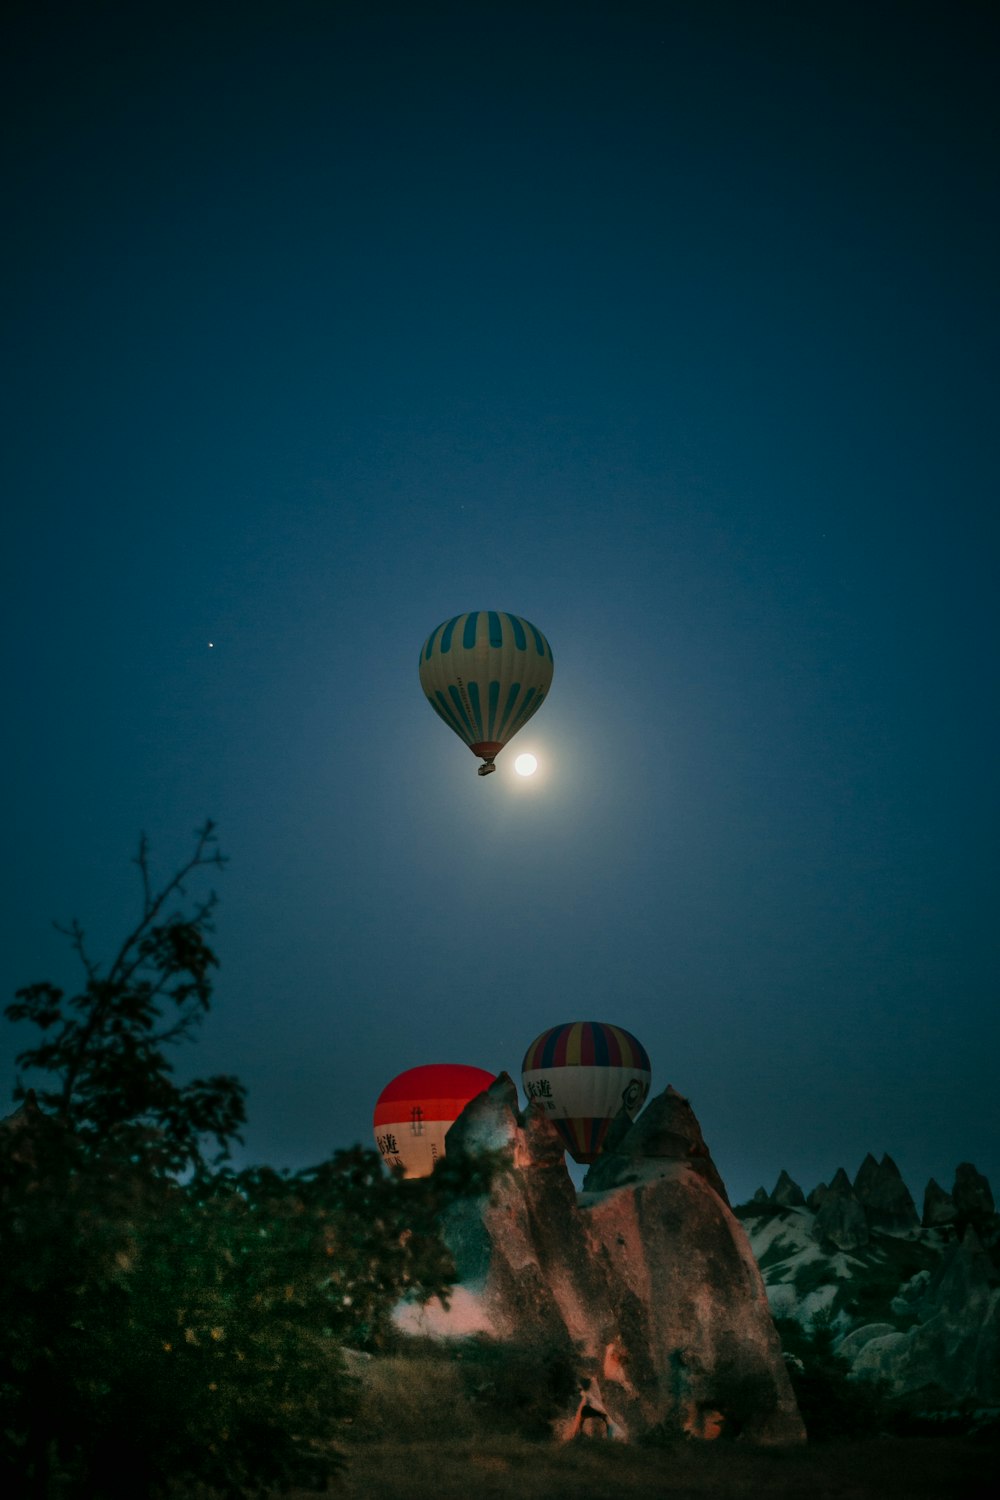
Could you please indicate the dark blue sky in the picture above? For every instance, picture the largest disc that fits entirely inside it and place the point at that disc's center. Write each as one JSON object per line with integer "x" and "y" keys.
{"x": 671, "y": 327}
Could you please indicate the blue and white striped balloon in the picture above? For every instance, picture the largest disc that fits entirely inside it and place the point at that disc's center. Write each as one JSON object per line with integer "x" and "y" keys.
{"x": 485, "y": 673}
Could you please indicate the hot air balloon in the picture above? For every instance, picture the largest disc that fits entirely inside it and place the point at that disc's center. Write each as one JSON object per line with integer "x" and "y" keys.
{"x": 485, "y": 673}
{"x": 583, "y": 1073}
{"x": 414, "y": 1111}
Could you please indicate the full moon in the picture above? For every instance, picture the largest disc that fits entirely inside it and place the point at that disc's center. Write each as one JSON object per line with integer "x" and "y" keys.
{"x": 526, "y": 765}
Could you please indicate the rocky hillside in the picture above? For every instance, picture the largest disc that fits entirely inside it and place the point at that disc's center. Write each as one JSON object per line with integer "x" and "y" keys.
{"x": 914, "y": 1298}
{"x": 662, "y": 1300}
{"x": 645, "y": 1281}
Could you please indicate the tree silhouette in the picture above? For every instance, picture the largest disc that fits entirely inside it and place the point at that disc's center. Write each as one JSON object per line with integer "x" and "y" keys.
{"x": 106, "y": 1046}
{"x": 169, "y": 1326}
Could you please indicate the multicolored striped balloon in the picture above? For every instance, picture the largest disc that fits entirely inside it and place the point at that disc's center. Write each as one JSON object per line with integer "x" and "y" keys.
{"x": 583, "y": 1073}
{"x": 485, "y": 673}
{"x": 414, "y": 1112}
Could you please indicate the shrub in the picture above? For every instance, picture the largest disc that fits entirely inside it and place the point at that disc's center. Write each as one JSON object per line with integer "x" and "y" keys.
{"x": 832, "y": 1404}
{"x": 523, "y": 1387}
{"x": 167, "y": 1323}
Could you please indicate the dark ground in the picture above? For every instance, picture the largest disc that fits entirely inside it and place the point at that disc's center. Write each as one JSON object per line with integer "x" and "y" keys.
{"x": 909, "y": 1468}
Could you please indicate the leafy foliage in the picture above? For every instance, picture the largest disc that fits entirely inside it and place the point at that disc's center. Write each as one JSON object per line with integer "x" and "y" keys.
{"x": 171, "y": 1326}
{"x": 106, "y": 1045}
{"x": 151, "y": 1332}
{"x": 374, "y": 1238}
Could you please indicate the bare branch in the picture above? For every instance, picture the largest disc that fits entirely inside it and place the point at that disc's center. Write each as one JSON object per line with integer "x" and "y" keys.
{"x": 143, "y": 950}
{"x": 142, "y": 860}
{"x": 175, "y": 886}
{"x": 76, "y": 936}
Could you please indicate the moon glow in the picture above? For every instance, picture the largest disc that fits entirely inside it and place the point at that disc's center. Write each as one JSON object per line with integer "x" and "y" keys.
{"x": 526, "y": 765}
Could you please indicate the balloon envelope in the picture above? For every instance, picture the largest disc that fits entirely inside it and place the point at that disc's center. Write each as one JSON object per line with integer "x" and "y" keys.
{"x": 583, "y": 1073}
{"x": 485, "y": 673}
{"x": 414, "y": 1112}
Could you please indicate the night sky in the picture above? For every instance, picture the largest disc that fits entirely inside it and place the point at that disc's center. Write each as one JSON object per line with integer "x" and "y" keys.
{"x": 670, "y": 327}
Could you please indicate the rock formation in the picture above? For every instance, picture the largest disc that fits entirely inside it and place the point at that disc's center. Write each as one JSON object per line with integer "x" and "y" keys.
{"x": 646, "y": 1280}
{"x": 954, "y": 1351}
{"x": 918, "y": 1307}
{"x": 939, "y": 1207}
{"x": 969, "y": 1202}
{"x": 816, "y": 1196}
{"x": 840, "y": 1218}
{"x": 666, "y": 1131}
{"x": 788, "y": 1193}
{"x": 972, "y": 1195}
{"x": 885, "y": 1197}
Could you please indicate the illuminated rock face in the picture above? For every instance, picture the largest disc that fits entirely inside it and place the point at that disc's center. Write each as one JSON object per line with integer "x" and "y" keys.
{"x": 646, "y": 1280}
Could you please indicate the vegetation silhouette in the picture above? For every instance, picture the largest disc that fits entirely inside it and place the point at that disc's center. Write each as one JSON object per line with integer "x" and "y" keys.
{"x": 171, "y": 1325}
